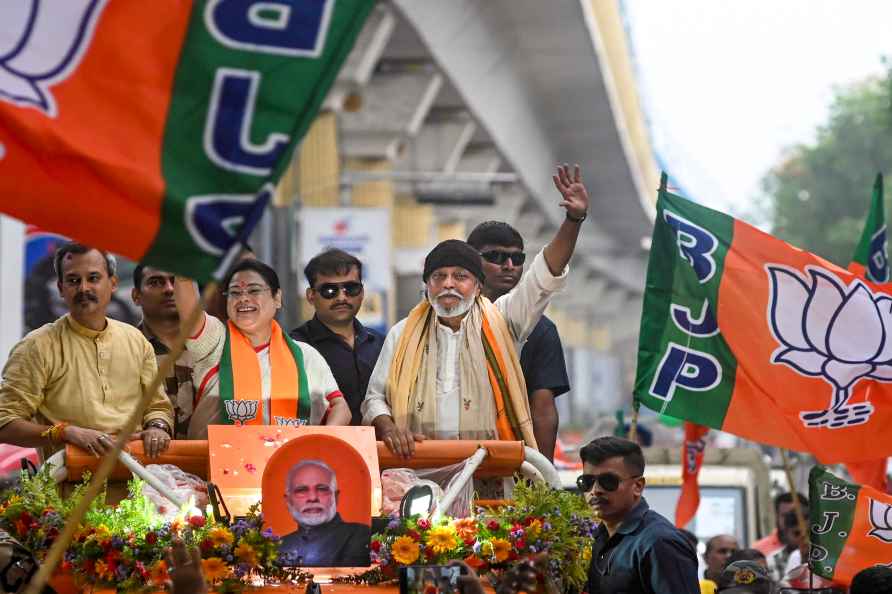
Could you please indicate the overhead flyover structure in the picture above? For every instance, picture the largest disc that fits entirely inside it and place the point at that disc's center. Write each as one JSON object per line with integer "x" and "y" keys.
{"x": 454, "y": 112}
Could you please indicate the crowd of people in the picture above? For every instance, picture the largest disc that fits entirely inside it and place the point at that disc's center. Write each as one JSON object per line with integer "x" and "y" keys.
{"x": 474, "y": 359}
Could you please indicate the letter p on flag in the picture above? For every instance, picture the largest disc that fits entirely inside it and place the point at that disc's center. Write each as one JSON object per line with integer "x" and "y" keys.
{"x": 687, "y": 368}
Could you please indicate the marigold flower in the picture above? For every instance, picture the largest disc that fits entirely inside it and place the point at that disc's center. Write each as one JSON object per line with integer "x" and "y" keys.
{"x": 101, "y": 569}
{"x": 214, "y": 569}
{"x": 501, "y": 549}
{"x": 405, "y": 550}
{"x": 466, "y": 528}
{"x": 474, "y": 562}
{"x": 441, "y": 539}
{"x": 534, "y": 528}
{"x": 220, "y": 537}
{"x": 158, "y": 574}
{"x": 246, "y": 553}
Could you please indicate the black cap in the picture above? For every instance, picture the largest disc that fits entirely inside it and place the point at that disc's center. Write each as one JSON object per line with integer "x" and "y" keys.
{"x": 453, "y": 252}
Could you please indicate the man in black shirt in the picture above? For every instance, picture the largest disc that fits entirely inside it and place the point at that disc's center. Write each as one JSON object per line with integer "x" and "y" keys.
{"x": 542, "y": 356}
{"x": 350, "y": 349}
{"x": 635, "y": 549}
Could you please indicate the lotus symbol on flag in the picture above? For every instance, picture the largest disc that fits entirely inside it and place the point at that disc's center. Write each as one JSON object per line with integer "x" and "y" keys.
{"x": 825, "y": 328}
{"x": 241, "y": 411}
{"x": 880, "y": 520}
{"x": 41, "y": 44}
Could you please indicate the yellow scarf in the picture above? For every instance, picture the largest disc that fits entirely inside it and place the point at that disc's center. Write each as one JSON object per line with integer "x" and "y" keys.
{"x": 494, "y": 402}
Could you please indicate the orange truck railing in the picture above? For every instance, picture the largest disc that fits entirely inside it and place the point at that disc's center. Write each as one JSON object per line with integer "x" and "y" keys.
{"x": 504, "y": 458}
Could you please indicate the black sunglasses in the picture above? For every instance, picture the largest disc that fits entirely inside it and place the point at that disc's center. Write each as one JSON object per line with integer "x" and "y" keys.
{"x": 331, "y": 290}
{"x": 498, "y": 257}
{"x": 609, "y": 481}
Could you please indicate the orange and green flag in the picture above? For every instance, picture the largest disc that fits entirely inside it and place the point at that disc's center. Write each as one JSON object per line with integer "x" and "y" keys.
{"x": 743, "y": 332}
{"x": 851, "y": 527}
{"x": 871, "y": 262}
{"x": 692, "y": 450}
{"x": 871, "y": 259}
{"x": 158, "y": 130}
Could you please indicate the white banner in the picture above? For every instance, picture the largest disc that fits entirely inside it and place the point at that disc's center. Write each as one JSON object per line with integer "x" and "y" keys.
{"x": 364, "y": 233}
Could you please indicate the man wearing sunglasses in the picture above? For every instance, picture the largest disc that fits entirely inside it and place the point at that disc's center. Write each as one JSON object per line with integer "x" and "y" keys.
{"x": 542, "y": 356}
{"x": 635, "y": 550}
{"x": 450, "y": 370}
{"x": 350, "y": 349}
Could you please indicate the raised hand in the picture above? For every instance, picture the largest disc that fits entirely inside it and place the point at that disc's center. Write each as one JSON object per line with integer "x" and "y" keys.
{"x": 572, "y": 189}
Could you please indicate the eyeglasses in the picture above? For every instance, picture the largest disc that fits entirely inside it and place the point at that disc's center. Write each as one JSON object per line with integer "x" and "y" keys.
{"x": 498, "y": 257}
{"x": 331, "y": 290}
{"x": 609, "y": 481}
{"x": 253, "y": 293}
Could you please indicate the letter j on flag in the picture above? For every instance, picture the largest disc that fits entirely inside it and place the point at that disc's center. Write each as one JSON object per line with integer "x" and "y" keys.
{"x": 158, "y": 130}
{"x": 742, "y": 332}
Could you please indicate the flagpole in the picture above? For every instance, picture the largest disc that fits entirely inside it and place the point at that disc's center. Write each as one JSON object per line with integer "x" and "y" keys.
{"x": 633, "y": 424}
{"x": 797, "y": 507}
{"x": 109, "y": 461}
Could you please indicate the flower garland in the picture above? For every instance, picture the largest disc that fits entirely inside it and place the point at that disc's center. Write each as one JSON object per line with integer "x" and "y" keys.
{"x": 123, "y": 547}
{"x": 541, "y": 520}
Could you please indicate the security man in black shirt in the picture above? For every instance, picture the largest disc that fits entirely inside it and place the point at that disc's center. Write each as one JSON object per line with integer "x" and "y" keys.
{"x": 635, "y": 549}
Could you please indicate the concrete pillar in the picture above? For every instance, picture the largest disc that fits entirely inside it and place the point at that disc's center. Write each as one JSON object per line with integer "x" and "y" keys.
{"x": 12, "y": 279}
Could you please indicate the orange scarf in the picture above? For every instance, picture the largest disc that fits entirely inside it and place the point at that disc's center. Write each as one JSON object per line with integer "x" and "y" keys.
{"x": 241, "y": 384}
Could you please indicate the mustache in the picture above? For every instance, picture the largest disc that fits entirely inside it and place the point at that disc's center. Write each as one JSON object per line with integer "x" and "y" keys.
{"x": 82, "y": 296}
{"x": 449, "y": 293}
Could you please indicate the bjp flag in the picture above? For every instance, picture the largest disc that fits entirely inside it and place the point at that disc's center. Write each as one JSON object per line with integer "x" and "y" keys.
{"x": 850, "y": 526}
{"x": 158, "y": 129}
{"x": 743, "y": 332}
{"x": 691, "y": 462}
{"x": 871, "y": 261}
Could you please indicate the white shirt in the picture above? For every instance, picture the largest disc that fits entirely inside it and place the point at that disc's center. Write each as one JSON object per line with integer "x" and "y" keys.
{"x": 521, "y": 307}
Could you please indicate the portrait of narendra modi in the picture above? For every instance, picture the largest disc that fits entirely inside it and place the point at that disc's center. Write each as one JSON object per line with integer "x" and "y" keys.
{"x": 321, "y": 538}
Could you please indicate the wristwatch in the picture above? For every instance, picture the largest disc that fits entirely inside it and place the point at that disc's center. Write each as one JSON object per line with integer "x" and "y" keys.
{"x": 158, "y": 424}
{"x": 579, "y": 219}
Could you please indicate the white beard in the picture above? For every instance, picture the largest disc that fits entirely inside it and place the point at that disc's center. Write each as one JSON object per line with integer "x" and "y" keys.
{"x": 313, "y": 520}
{"x": 459, "y": 309}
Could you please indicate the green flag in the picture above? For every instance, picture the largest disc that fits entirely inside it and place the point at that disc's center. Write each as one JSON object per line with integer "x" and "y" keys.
{"x": 871, "y": 257}
{"x": 850, "y": 526}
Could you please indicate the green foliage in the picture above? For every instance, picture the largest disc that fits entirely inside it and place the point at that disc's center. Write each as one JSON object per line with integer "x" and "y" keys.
{"x": 539, "y": 522}
{"x": 817, "y": 197}
{"x": 123, "y": 546}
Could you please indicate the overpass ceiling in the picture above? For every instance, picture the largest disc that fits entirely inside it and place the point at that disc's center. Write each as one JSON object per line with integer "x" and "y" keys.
{"x": 505, "y": 87}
